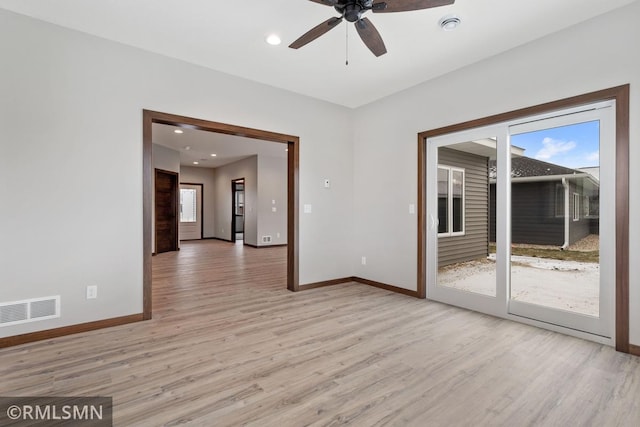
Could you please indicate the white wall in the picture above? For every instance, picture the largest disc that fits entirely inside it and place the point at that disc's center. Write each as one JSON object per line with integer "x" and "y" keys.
{"x": 165, "y": 158}
{"x": 71, "y": 118}
{"x": 272, "y": 187}
{"x": 595, "y": 55}
{"x": 206, "y": 177}
{"x": 247, "y": 169}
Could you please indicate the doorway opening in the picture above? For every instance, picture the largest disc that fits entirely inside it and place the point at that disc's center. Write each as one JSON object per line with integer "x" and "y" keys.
{"x": 238, "y": 209}
{"x": 291, "y": 143}
{"x": 487, "y": 194}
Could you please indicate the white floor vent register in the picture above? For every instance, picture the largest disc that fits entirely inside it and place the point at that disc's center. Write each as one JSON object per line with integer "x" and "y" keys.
{"x": 29, "y": 310}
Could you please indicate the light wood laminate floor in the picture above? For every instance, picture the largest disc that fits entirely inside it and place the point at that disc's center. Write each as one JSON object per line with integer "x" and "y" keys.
{"x": 230, "y": 346}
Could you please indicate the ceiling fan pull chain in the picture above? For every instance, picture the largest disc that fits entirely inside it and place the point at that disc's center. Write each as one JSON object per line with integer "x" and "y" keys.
{"x": 347, "y": 46}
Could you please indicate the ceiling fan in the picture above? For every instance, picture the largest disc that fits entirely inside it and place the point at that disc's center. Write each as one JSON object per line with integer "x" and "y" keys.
{"x": 352, "y": 11}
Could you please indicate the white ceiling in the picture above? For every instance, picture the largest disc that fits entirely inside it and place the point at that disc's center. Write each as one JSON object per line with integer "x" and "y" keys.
{"x": 227, "y": 148}
{"x": 229, "y": 36}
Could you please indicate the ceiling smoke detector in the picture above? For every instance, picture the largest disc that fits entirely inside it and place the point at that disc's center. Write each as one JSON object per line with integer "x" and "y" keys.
{"x": 449, "y": 22}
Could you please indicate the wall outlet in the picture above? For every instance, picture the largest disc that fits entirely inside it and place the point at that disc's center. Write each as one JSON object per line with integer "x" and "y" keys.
{"x": 266, "y": 239}
{"x": 92, "y": 292}
{"x": 273, "y": 209}
{"x": 364, "y": 260}
{"x": 278, "y": 235}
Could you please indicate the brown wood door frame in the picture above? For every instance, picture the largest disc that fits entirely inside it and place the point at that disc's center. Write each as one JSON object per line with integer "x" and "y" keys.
{"x": 621, "y": 95}
{"x": 176, "y": 202}
{"x": 293, "y": 188}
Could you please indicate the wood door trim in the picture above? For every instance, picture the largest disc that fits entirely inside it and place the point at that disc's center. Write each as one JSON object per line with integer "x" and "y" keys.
{"x": 201, "y": 206}
{"x": 293, "y": 188}
{"x": 176, "y": 209}
{"x": 621, "y": 95}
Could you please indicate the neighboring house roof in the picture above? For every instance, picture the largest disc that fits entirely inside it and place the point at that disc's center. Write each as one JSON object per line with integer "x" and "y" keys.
{"x": 594, "y": 171}
{"x": 524, "y": 167}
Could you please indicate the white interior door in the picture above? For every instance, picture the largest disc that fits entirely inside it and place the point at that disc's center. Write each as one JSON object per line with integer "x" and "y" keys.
{"x": 190, "y": 212}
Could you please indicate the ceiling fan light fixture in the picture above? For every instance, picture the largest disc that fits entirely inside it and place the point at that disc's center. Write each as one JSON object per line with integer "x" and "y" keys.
{"x": 273, "y": 39}
{"x": 449, "y": 22}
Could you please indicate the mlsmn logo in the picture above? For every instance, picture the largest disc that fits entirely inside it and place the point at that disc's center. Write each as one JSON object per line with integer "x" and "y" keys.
{"x": 33, "y": 411}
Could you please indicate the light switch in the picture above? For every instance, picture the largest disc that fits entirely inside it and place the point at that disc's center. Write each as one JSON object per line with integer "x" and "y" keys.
{"x": 273, "y": 202}
{"x": 412, "y": 208}
{"x": 307, "y": 208}
{"x": 327, "y": 183}
{"x": 273, "y": 209}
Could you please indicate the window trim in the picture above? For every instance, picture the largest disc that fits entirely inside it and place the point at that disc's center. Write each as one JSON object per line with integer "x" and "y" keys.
{"x": 450, "y": 170}
{"x": 576, "y": 207}
{"x": 586, "y": 206}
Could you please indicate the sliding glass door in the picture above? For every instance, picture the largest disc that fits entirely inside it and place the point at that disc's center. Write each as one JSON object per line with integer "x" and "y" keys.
{"x": 520, "y": 219}
{"x": 562, "y": 219}
{"x": 462, "y": 264}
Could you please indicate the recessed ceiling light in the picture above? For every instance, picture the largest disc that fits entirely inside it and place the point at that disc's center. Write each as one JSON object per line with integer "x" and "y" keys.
{"x": 178, "y": 131}
{"x": 449, "y": 22}
{"x": 196, "y": 163}
{"x": 187, "y": 147}
{"x": 213, "y": 155}
{"x": 273, "y": 39}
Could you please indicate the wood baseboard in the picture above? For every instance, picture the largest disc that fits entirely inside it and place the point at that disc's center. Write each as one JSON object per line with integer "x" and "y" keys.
{"x": 263, "y": 246}
{"x": 325, "y": 283}
{"x": 361, "y": 281}
{"x": 68, "y": 330}
{"x": 386, "y": 287}
{"x": 221, "y": 239}
{"x": 634, "y": 349}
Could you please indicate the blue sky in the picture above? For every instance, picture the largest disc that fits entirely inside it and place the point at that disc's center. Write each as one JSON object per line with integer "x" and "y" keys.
{"x": 572, "y": 146}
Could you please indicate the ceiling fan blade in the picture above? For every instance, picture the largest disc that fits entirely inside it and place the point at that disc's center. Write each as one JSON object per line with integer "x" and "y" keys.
{"x": 407, "y": 5}
{"x": 370, "y": 36}
{"x": 326, "y": 2}
{"x": 315, "y": 32}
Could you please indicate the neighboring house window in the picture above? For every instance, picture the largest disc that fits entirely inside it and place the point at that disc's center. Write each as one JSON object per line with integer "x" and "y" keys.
{"x": 450, "y": 201}
{"x": 576, "y": 206}
{"x": 187, "y": 205}
{"x": 586, "y": 205}
{"x": 559, "y": 201}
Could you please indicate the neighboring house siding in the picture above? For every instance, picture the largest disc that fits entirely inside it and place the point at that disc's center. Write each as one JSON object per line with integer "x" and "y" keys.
{"x": 534, "y": 219}
{"x": 474, "y": 244}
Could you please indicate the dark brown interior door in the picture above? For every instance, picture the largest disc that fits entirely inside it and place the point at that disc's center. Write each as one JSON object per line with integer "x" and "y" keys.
{"x": 166, "y": 211}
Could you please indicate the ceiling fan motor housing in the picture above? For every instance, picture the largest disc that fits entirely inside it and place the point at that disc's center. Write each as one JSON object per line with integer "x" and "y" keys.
{"x": 352, "y": 10}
